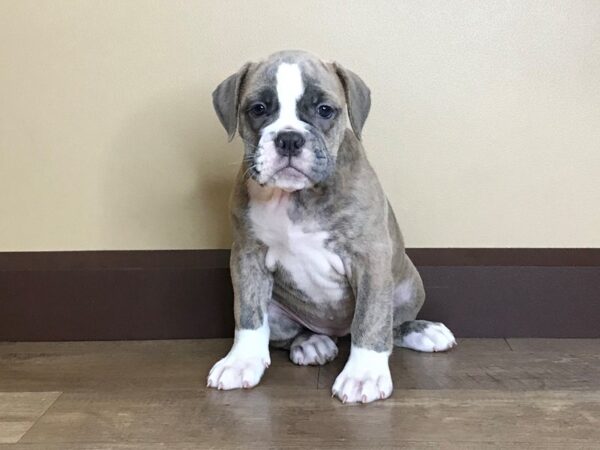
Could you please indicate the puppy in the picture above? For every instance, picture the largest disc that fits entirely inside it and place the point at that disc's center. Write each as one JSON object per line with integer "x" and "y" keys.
{"x": 317, "y": 252}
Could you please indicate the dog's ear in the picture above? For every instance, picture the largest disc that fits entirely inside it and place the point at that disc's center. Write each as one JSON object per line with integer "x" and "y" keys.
{"x": 358, "y": 97}
{"x": 226, "y": 100}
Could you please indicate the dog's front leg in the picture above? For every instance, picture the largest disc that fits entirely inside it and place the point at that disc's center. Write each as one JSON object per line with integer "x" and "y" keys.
{"x": 366, "y": 376}
{"x": 249, "y": 356}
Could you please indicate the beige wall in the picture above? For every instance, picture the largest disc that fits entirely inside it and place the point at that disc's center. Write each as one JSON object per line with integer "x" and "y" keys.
{"x": 485, "y": 127}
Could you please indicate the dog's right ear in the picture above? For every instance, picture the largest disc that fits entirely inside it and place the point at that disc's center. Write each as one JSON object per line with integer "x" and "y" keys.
{"x": 226, "y": 100}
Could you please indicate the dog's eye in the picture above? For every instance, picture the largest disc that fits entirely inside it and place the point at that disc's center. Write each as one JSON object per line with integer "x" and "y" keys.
{"x": 258, "y": 109}
{"x": 325, "y": 111}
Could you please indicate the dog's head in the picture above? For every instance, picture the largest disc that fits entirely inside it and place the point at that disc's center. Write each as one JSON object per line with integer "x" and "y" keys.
{"x": 291, "y": 110}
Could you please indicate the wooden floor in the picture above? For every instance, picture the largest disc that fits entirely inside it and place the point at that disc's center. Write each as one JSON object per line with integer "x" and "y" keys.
{"x": 150, "y": 395}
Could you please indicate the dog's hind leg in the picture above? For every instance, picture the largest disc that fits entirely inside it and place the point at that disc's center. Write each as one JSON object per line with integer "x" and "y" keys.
{"x": 419, "y": 335}
{"x": 424, "y": 336}
{"x": 311, "y": 349}
{"x": 306, "y": 348}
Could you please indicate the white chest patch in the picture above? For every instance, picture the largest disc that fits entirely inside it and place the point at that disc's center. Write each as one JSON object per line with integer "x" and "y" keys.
{"x": 299, "y": 248}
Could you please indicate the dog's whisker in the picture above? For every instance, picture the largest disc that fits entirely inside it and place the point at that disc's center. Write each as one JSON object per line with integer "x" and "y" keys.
{"x": 249, "y": 169}
{"x": 251, "y": 144}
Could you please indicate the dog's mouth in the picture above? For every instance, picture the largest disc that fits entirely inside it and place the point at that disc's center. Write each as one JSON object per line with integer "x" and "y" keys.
{"x": 290, "y": 178}
{"x": 291, "y": 171}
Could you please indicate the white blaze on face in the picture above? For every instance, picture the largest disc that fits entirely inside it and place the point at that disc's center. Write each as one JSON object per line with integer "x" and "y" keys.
{"x": 289, "y": 90}
{"x": 290, "y": 87}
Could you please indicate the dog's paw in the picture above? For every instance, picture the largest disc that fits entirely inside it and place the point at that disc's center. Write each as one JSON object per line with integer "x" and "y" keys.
{"x": 427, "y": 336}
{"x": 315, "y": 349}
{"x": 244, "y": 365}
{"x": 234, "y": 372}
{"x": 365, "y": 378}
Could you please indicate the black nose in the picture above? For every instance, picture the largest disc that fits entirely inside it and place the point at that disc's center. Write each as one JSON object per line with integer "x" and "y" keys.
{"x": 289, "y": 143}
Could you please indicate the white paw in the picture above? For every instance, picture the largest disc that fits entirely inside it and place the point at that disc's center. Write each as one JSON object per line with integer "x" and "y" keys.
{"x": 365, "y": 378}
{"x": 317, "y": 349}
{"x": 244, "y": 365}
{"x": 234, "y": 372}
{"x": 436, "y": 337}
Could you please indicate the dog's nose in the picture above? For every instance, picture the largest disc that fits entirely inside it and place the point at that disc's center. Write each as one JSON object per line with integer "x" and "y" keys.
{"x": 289, "y": 143}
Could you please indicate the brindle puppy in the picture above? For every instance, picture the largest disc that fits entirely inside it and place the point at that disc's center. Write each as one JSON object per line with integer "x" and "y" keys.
{"x": 317, "y": 252}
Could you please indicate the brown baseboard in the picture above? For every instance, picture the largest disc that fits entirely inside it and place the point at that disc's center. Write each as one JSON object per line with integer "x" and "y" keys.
{"x": 170, "y": 294}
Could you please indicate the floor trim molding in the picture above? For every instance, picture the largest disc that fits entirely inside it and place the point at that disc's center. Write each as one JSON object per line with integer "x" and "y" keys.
{"x": 169, "y": 294}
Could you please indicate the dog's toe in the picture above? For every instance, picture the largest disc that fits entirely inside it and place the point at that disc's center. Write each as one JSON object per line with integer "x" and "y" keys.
{"x": 316, "y": 349}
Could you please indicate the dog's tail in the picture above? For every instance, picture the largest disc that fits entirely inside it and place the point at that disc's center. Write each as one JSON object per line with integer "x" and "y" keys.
{"x": 424, "y": 336}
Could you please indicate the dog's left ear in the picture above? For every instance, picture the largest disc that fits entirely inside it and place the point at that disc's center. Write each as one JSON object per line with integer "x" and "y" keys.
{"x": 226, "y": 100}
{"x": 358, "y": 97}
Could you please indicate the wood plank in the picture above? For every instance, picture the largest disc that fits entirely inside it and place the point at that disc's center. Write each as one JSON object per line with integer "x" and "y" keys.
{"x": 269, "y": 416}
{"x": 473, "y": 366}
{"x": 299, "y": 445}
{"x": 150, "y": 395}
{"x": 20, "y": 410}
{"x": 569, "y": 346}
{"x": 106, "y": 366}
